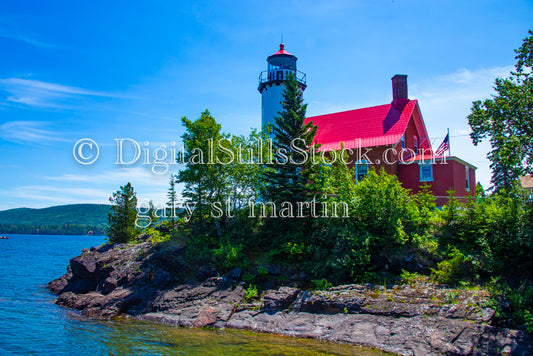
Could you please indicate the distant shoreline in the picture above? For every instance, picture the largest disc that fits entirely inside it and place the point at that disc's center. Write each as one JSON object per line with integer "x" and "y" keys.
{"x": 17, "y": 235}
{"x": 65, "y": 229}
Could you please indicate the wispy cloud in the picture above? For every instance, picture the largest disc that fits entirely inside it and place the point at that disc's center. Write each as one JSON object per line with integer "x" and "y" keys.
{"x": 29, "y": 132}
{"x": 136, "y": 175}
{"x": 46, "y": 195}
{"x": 43, "y": 94}
{"x": 93, "y": 188}
{"x": 461, "y": 87}
{"x": 38, "y": 86}
{"x": 446, "y": 101}
{"x": 9, "y": 30}
{"x": 27, "y": 40}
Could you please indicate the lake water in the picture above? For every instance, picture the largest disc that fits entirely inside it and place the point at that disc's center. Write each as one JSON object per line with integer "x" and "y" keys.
{"x": 31, "y": 324}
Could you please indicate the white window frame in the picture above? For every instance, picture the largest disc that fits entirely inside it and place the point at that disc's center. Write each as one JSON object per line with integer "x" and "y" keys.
{"x": 421, "y": 169}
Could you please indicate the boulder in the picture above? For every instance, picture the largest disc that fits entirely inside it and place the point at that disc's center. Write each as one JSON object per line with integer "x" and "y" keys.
{"x": 84, "y": 266}
{"x": 280, "y": 298}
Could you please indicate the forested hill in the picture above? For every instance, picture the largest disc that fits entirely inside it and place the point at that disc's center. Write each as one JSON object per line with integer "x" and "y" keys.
{"x": 79, "y": 214}
{"x": 63, "y": 219}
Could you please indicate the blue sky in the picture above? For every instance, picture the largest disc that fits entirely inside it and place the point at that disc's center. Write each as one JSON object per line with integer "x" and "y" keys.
{"x": 131, "y": 69}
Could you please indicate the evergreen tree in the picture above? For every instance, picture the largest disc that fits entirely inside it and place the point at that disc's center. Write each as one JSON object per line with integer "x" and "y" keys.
{"x": 122, "y": 215}
{"x": 171, "y": 204}
{"x": 152, "y": 212}
{"x": 292, "y": 139}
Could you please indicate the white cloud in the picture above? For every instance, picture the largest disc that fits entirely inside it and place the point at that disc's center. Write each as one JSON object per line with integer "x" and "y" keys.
{"x": 28, "y": 132}
{"x": 46, "y": 195}
{"x": 446, "y": 101}
{"x": 41, "y": 94}
{"x": 87, "y": 188}
{"x": 136, "y": 175}
{"x": 456, "y": 91}
{"x": 14, "y": 34}
{"x": 36, "y": 86}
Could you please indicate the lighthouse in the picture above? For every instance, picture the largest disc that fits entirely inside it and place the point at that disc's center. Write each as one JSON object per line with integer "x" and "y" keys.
{"x": 272, "y": 83}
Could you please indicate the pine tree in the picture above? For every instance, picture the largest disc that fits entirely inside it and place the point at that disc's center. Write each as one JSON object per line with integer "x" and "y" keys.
{"x": 122, "y": 215}
{"x": 152, "y": 213}
{"x": 291, "y": 170}
{"x": 171, "y": 204}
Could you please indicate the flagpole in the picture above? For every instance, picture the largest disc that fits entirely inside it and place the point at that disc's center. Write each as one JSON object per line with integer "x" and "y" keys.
{"x": 449, "y": 143}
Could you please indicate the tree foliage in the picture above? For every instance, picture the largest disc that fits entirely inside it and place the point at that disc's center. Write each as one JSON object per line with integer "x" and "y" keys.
{"x": 292, "y": 139}
{"x": 172, "y": 205}
{"x": 507, "y": 121}
{"x": 205, "y": 171}
{"x": 122, "y": 215}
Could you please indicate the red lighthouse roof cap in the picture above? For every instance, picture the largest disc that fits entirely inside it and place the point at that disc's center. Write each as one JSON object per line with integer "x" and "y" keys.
{"x": 281, "y": 51}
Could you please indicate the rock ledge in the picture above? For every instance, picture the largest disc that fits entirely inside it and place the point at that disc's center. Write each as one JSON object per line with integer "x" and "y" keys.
{"x": 152, "y": 284}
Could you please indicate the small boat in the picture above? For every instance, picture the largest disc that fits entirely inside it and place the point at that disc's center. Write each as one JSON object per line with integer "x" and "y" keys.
{"x": 4, "y": 237}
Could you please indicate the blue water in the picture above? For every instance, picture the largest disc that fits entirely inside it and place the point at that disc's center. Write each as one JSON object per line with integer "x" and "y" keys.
{"x": 31, "y": 324}
{"x": 29, "y": 321}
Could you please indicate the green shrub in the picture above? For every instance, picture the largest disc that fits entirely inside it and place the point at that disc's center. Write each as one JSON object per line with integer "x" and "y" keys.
{"x": 453, "y": 270}
{"x": 384, "y": 209}
{"x": 229, "y": 256}
{"x": 251, "y": 292}
{"x": 321, "y": 284}
{"x": 412, "y": 278}
{"x": 513, "y": 304}
{"x": 157, "y": 236}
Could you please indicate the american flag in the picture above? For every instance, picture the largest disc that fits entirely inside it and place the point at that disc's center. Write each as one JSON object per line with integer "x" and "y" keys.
{"x": 443, "y": 146}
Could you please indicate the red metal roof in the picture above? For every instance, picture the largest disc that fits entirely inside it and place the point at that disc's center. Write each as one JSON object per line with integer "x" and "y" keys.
{"x": 367, "y": 127}
{"x": 281, "y": 51}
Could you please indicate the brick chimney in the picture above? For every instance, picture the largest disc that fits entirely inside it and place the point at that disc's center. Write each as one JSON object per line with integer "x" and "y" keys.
{"x": 399, "y": 87}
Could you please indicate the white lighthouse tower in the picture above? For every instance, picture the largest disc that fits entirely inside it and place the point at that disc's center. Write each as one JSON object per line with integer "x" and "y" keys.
{"x": 272, "y": 80}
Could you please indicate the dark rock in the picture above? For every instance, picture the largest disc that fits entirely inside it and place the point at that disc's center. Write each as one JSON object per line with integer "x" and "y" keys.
{"x": 204, "y": 272}
{"x": 208, "y": 316}
{"x": 149, "y": 283}
{"x": 83, "y": 266}
{"x": 107, "y": 285}
{"x": 279, "y": 299}
{"x": 58, "y": 285}
{"x": 80, "y": 286}
{"x": 234, "y": 275}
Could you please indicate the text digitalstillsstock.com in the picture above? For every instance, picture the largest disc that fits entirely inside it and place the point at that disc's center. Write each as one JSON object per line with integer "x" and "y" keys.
{"x": 160, "y": 159}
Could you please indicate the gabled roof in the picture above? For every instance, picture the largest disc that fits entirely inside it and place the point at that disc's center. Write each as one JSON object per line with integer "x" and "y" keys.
{"x": 367, "y": 127}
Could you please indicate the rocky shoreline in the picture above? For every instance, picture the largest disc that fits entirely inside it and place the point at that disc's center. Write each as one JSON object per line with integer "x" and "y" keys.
{"x": 151, "y": 283}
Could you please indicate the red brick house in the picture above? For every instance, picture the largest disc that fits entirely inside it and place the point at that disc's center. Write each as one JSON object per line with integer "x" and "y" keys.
{"x": 394, "y": 136}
